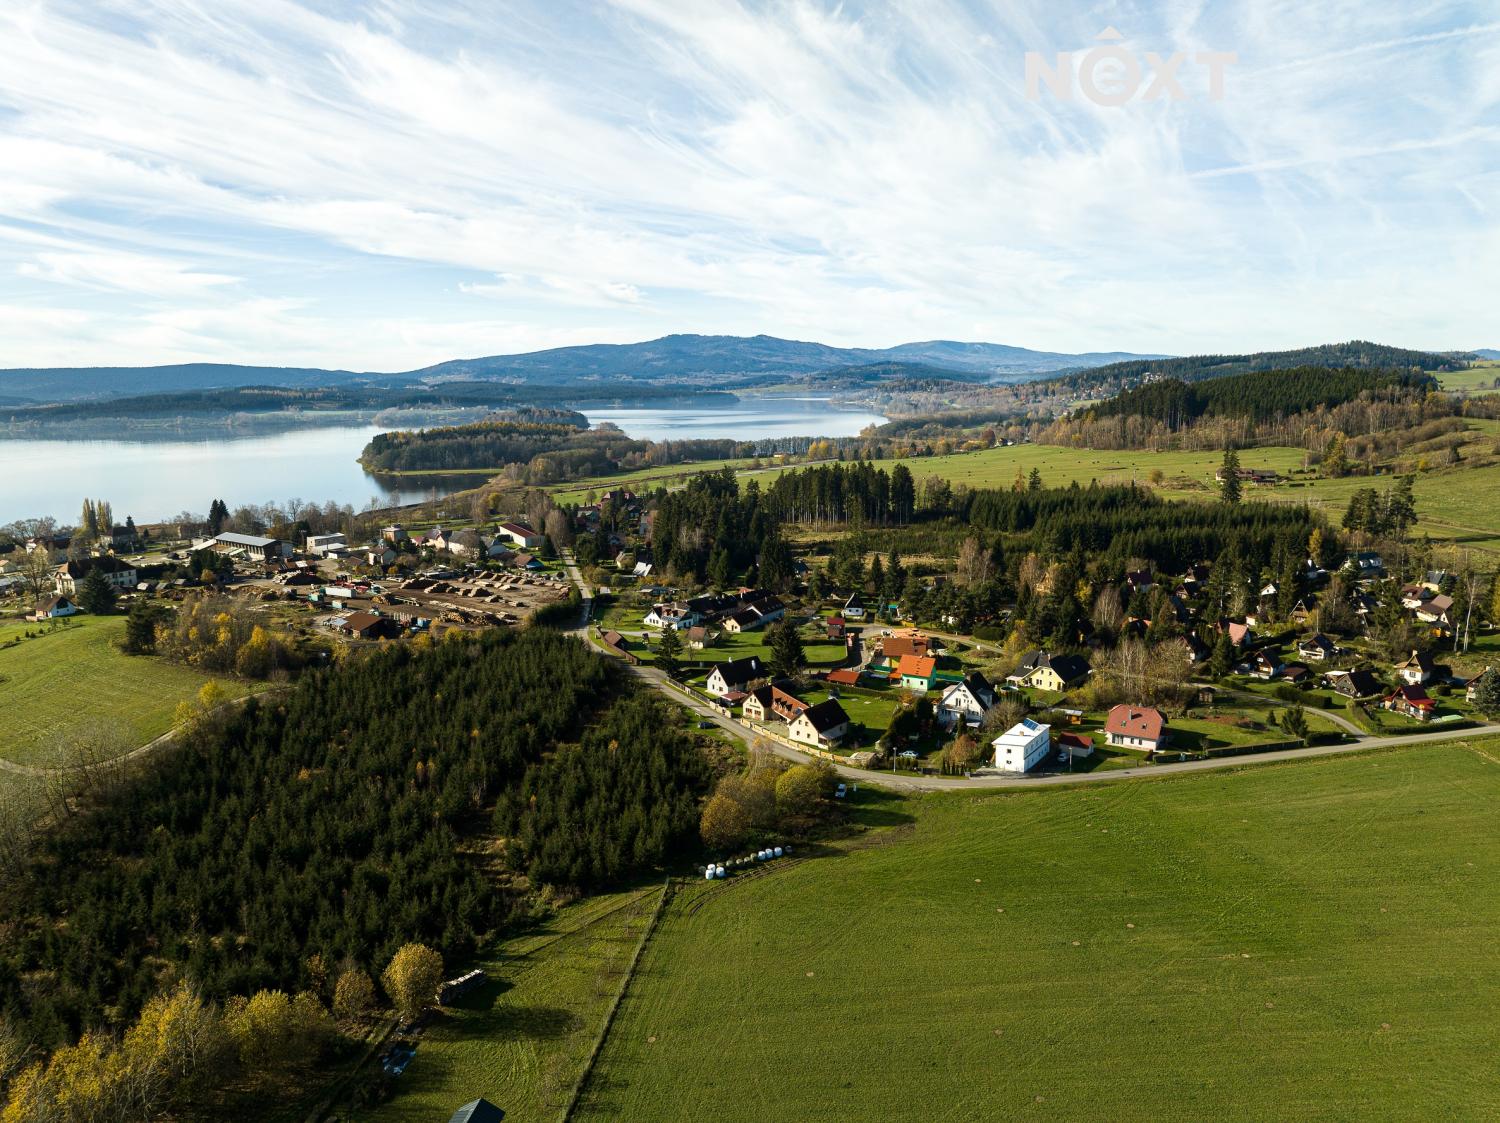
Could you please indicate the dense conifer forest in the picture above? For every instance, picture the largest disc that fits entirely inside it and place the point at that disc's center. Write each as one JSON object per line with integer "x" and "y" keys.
{"x": 1257, "y": 395}
{"x": 332, "y": 819}
{"x": 1112, "y": 525}
{"x": 548, "y": 452}
{"x": 1358, "y": 354}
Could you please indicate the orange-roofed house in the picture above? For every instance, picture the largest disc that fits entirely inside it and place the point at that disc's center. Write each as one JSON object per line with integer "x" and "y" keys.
{"x": 917, "y": 672}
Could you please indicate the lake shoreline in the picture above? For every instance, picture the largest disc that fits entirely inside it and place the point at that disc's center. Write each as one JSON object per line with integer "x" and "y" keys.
{"x": 152, "y": 480}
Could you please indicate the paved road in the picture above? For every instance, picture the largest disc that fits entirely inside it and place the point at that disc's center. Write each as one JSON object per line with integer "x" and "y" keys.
{"x": 584, "y": 591}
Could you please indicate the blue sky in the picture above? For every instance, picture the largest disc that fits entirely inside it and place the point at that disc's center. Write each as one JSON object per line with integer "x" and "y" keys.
{"x": 383, "y": 185}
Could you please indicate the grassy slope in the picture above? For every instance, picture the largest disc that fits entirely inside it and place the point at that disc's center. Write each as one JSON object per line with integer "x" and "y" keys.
{"x": 1478, "y": 379}
{"x": 1310, "y": 941}
{"x": 1445, "y": 500}
{"x": 76, "y": 676}
{"x": 521, "y": 1041}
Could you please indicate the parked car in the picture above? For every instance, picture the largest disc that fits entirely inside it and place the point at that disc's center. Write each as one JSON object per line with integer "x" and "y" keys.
{"x": 841, "y": 791}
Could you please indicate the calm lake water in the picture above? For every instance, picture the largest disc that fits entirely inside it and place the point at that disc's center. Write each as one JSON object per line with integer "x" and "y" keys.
{"x": 153, "y": 480}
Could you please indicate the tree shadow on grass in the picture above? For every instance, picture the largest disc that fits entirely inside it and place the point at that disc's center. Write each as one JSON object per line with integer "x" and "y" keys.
{"x": 494, "y": 1018}
{"x": 875, "y": 807}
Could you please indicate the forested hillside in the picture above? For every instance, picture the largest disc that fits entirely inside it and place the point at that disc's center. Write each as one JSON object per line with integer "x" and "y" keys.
{"x": 1257, "y": 395}
{"x": 331, "y": 820}
{"x": 1359, "y": 354}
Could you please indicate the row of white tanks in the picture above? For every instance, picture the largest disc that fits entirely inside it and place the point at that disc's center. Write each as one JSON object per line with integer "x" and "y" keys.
{"x": 712, "y": 871}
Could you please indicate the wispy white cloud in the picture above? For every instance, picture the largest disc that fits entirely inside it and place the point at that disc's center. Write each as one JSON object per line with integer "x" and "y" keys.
{"x": 122, "y": 272}
{"x": 283, "y": 180}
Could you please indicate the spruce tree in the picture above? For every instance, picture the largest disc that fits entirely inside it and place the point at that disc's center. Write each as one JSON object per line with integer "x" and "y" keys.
{"x": 96, "y": 594}
{"x": 1229, "y": 487}
{"x": 669, "y": 653}
{"x": 787, "y": 656}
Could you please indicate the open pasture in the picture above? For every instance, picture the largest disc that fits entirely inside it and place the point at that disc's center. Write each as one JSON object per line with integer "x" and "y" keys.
{"x": 1310, "y": 940}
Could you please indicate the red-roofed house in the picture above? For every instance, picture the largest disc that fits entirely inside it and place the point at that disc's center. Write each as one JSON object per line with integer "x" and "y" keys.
{"x": 1411, "y": 701}
{"x": 1136, "y": 727}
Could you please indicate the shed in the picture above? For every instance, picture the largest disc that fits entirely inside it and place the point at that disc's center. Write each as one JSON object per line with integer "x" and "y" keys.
{"x": 477, "y": 1111}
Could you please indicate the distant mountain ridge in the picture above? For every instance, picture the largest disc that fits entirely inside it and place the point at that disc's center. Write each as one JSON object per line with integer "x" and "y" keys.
{"x": 1487, "y": 353}
{"x": 724, "y": 359}
{"x": 688, "y": 355}
{"x": 1357, "y": 354}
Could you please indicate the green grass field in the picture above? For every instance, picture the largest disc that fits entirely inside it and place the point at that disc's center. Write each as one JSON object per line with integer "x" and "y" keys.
{"x": 74, "y": 677}
{"x": 643, "y": 479}
{"x": 1312, "y": 940}
{"x": 1059, "y": 466}
{"x": 1479, "y": 379}
{"x": 522, "y": 1040}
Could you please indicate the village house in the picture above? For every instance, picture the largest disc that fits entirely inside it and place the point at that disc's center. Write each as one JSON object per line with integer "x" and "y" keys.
{"x": 69, "y": 577}
{"x": 395, "y": 534}
{"x": 1079, "y": 746}
{"x": 1023, "y": 746}
{"x": 966, "y": 702}
{"x": 772, "y": 703}
{"x": 1317, "y": 648}
{"x": 1365, "y": 564}
{"x": 121, "y": 539}
{"x": 674, "y": 616}
{"x": 1042, "y": 670}
{"x": 379, "y": 556}
{"x": 699, "y": 637}
{"x": 893, "y": 648}
{"x": 822, "y": 726}
{"x": 1436, "y": 612}
{"x": 1262, "y": 664}
{"x": 1305, "y": 609}
{"x": 756, "y": 614}
{"x": 1416, "y": 670}
{"x": 467, "y": 544}
{"x": 1240, "y": 634}
{"x": 736, "y": 674}
{"x": 917, "y": 672}
{"x": 1353, "y": 684}
{"x": 1471, "y": 688}
{"x": 1194, "y": 649}
{"x": 57, "y": 542}
{"x": 854, "y": 607}
{"x": 1411, "y": 701}
{"x": 835, "y": 627}
{"x": 519, "y": 534}
{"x": 1136, "y": 727}
{"x": 54, "y": 609}
{"x": 435, "y": 539}
{"x": 1296, "y": 673}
